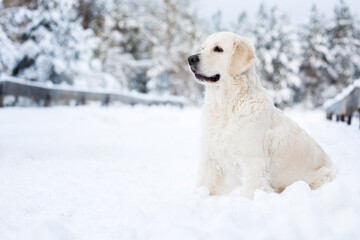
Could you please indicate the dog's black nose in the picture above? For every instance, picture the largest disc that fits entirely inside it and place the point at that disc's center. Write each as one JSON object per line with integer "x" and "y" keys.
{"x": 193, "y": 59}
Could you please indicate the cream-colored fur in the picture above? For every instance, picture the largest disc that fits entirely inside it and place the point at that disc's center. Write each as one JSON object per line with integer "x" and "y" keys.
{"x": 246, "y": 141}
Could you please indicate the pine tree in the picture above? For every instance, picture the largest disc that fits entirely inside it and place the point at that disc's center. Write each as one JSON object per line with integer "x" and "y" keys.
{"x": 316, "y": 71}
{"x": 277, "y": 62}
{"x": 126, "y": 47}
{"x": 216, "y": 22}
{"x": 242, "y": 26}
{"x": 147, "y": 44}
{"x": 344, "y": 46}
{"x": 53, "y": 46}
{"x": 183, "y": 34}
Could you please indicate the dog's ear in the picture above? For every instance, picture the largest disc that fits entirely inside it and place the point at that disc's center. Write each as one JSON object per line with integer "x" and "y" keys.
{"x": 242, "y": 59}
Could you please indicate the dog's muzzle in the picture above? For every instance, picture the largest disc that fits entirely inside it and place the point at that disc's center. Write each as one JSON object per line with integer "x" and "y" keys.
{"x": 193, "y": 61}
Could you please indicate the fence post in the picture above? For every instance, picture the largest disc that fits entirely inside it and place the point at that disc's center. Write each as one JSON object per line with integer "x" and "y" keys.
{"x": 349, "y": 120}
{"x": 83, "y": 100}
{"x": 1, "y": 94}
{"x": 106, "y": 100}
{"x": 47, "y": 100}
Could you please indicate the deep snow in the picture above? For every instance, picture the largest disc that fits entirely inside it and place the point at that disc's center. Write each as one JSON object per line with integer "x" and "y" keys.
{"x": 130, "y": 173}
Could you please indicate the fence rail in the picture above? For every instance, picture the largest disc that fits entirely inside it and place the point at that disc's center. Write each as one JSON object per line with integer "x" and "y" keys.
{"x": 346, "y": 105}
{"x": 47, "y": 96}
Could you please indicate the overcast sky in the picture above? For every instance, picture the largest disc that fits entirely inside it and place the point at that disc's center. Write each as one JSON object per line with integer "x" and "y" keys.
{"x": 297, "y": 10}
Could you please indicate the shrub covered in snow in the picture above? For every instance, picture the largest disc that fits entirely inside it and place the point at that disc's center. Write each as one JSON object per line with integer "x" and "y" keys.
{"x": 50, "y": 44}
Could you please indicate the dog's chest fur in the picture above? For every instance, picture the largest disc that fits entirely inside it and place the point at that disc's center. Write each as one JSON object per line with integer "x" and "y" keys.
{"x": 223, "y": 138}
{"x": 216, "y": 141}
{"x": 230, "y": 130}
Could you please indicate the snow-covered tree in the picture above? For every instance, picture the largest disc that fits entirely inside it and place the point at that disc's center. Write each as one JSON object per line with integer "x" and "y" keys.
{"x": 345, "y": 46}
{"x": 216, "y": 22}
{"x": 182, "y": 38}
{"x": 147, "y": 45}
{"x": 242, "y": 26}
{"x": 53, "y": 46}
{"x": 275, "y": 47}
{"x": 123, "y": 45}
{"x": 317, "y": 73}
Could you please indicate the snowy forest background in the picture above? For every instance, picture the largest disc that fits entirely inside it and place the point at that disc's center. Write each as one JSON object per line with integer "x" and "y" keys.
{"x": 143, "y": 45}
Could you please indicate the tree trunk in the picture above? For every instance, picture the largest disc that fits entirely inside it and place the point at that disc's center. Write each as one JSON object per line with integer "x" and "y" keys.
{"x": 31, "y": 4}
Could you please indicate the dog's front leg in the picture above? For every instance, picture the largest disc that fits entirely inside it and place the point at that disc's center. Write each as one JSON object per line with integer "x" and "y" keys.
{"x": 210, "y": 176}
{"x": 253, "y": 176}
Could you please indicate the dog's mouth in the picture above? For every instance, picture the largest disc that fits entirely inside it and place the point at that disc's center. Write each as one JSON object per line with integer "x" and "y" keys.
{"x": 200, "y": 77}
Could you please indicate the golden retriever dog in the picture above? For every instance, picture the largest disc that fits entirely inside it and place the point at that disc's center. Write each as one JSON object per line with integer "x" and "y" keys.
{"x": 246, "y": 141}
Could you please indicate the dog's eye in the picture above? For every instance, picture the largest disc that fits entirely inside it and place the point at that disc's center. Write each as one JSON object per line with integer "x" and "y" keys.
{"x": 218, "y": 49}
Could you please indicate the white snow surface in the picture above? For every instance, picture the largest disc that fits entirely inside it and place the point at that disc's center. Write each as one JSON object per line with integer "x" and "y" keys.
{"x": 130, "y": 173}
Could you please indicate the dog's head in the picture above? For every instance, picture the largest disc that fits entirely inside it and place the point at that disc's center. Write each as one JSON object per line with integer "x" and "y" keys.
{"x": 223, "y": 55}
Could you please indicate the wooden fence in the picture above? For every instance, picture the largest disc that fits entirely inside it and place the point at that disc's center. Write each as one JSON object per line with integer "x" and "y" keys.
{"x": 345, "y": 106}
{"x": 47, "y": 96}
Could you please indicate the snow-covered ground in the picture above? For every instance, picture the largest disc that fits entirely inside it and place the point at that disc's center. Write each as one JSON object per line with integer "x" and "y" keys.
{"x": 130, "y": 173}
